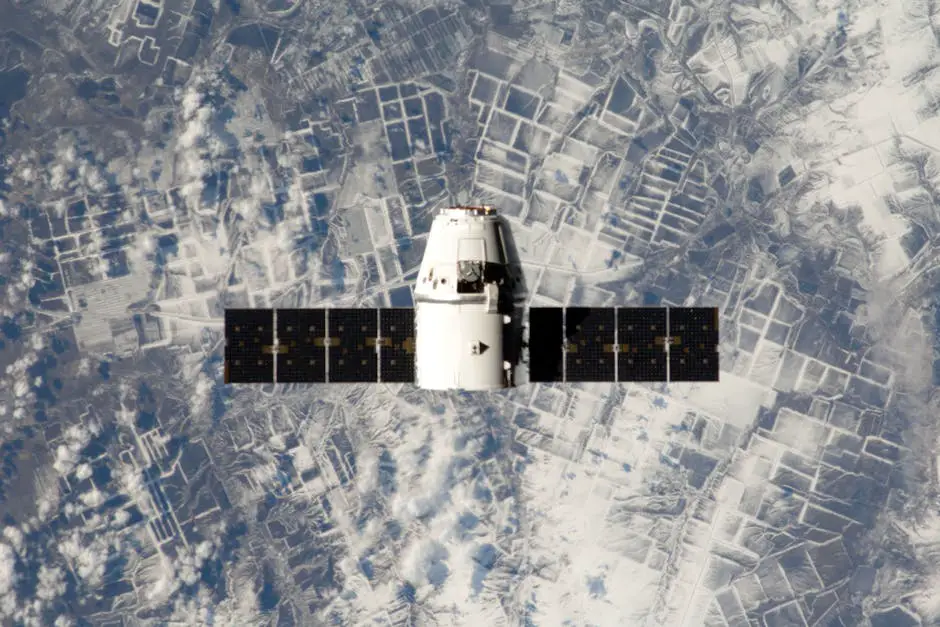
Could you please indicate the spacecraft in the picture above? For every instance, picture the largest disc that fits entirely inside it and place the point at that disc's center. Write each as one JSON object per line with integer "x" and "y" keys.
{"x": 469, "y": 329}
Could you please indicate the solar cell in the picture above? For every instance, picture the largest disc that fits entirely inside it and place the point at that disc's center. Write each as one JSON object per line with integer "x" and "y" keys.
{"x": 249, "y": 342}
{"x": 301, "y": 335}
{"x": 352, "y": 352}
{"x": 693, "y": 351}
{"x": 397, "y": 350}
{"x": 641, "y": 333}
{"x": 546, "y": 344}
{"x": 589, "y": 354}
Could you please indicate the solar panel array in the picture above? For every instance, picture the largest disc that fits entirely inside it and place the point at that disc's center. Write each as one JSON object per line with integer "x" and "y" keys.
{"x": 623, "y": 344}
{"x": 590, "y": 344}
{"x": 319, "y": 345}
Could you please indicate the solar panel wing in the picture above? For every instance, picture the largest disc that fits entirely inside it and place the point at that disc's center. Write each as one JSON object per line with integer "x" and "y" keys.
{"x": 546, "y": 344}
{"x": 397, "y": 350}
{"x": 301, "y": 338}
{"x": 641, "y": 335}
{"x": 693, "y": 352}
{"x": 589, "y": 354}
{"x": 249, "y": 345}
{"x": 352, "y": 353}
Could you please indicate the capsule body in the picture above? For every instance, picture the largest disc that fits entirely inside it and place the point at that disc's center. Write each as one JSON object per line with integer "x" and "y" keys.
{"x": 462, "y": 293}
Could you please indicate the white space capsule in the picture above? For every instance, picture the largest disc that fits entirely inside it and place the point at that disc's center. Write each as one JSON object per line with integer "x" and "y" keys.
{"x": 464, "y": 299}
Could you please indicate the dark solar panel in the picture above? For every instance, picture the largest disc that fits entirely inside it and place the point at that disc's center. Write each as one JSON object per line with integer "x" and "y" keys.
{"x": 249, "y": 345}
{"x": 352, "y": 353}
{"x": 590, "y": 344}
{"x": 397, "y": 352}
{"x": 641, "y": 333}
{"x": 575, "y": 344}
{"x": 546, "y": 344}
{"x": 693, "y": 351}
{"x": 301, "y": 335}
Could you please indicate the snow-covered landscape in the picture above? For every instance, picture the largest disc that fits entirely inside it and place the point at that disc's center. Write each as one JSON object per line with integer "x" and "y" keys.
{"x": 163, "y": 161}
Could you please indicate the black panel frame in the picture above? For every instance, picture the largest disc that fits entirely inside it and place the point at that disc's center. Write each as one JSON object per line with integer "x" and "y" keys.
{"x": 249, "y": 346}
{"x": 301, "y": 335}
{"x": 397, "y": 350}
{"x": 641, "y": 336}
{"x": 546, "y": 344}
{"x": 352, "y": 352}
{"x": 693, "y": 350}
{"x": 590, "y": 336}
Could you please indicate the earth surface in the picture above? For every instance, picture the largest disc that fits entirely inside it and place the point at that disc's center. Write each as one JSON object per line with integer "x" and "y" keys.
{"x": 163, "y": 160}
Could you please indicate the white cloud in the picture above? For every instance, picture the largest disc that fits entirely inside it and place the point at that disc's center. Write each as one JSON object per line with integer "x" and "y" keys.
{"x": 161, "y": 577}
{"x": 51, "y": 584}
{"x": 8, "y": 577}
{"x": 88, "y": 555}
{"x": 132, "y": 484}
{"x": 120, "y": 518}
{"x": 67, "y": 151}
{"x": 421, "y": 558}
{"x": 190, "y": 562}
{"x": 92, "y": 178}
{"x": 18, "y": 380}
{"x": 160, "y": 580}
{"x": 92, "y": 498}
{"x": 20, "y": 388}
{"x": 202, "y": 388}
{"x": 84, "y": 367}
{"x": 7, "y": 563}
{"x": 190, "y": 166}
{"x": 240, "y": 608}
{"x": 58, "y": 177}
{"x": 141, "y": 253}
{"x": 83, "y": 471}
{"x": 75, "y": 438}
{"x": 191, "y": 103}
{"x": 15, "y": 537}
